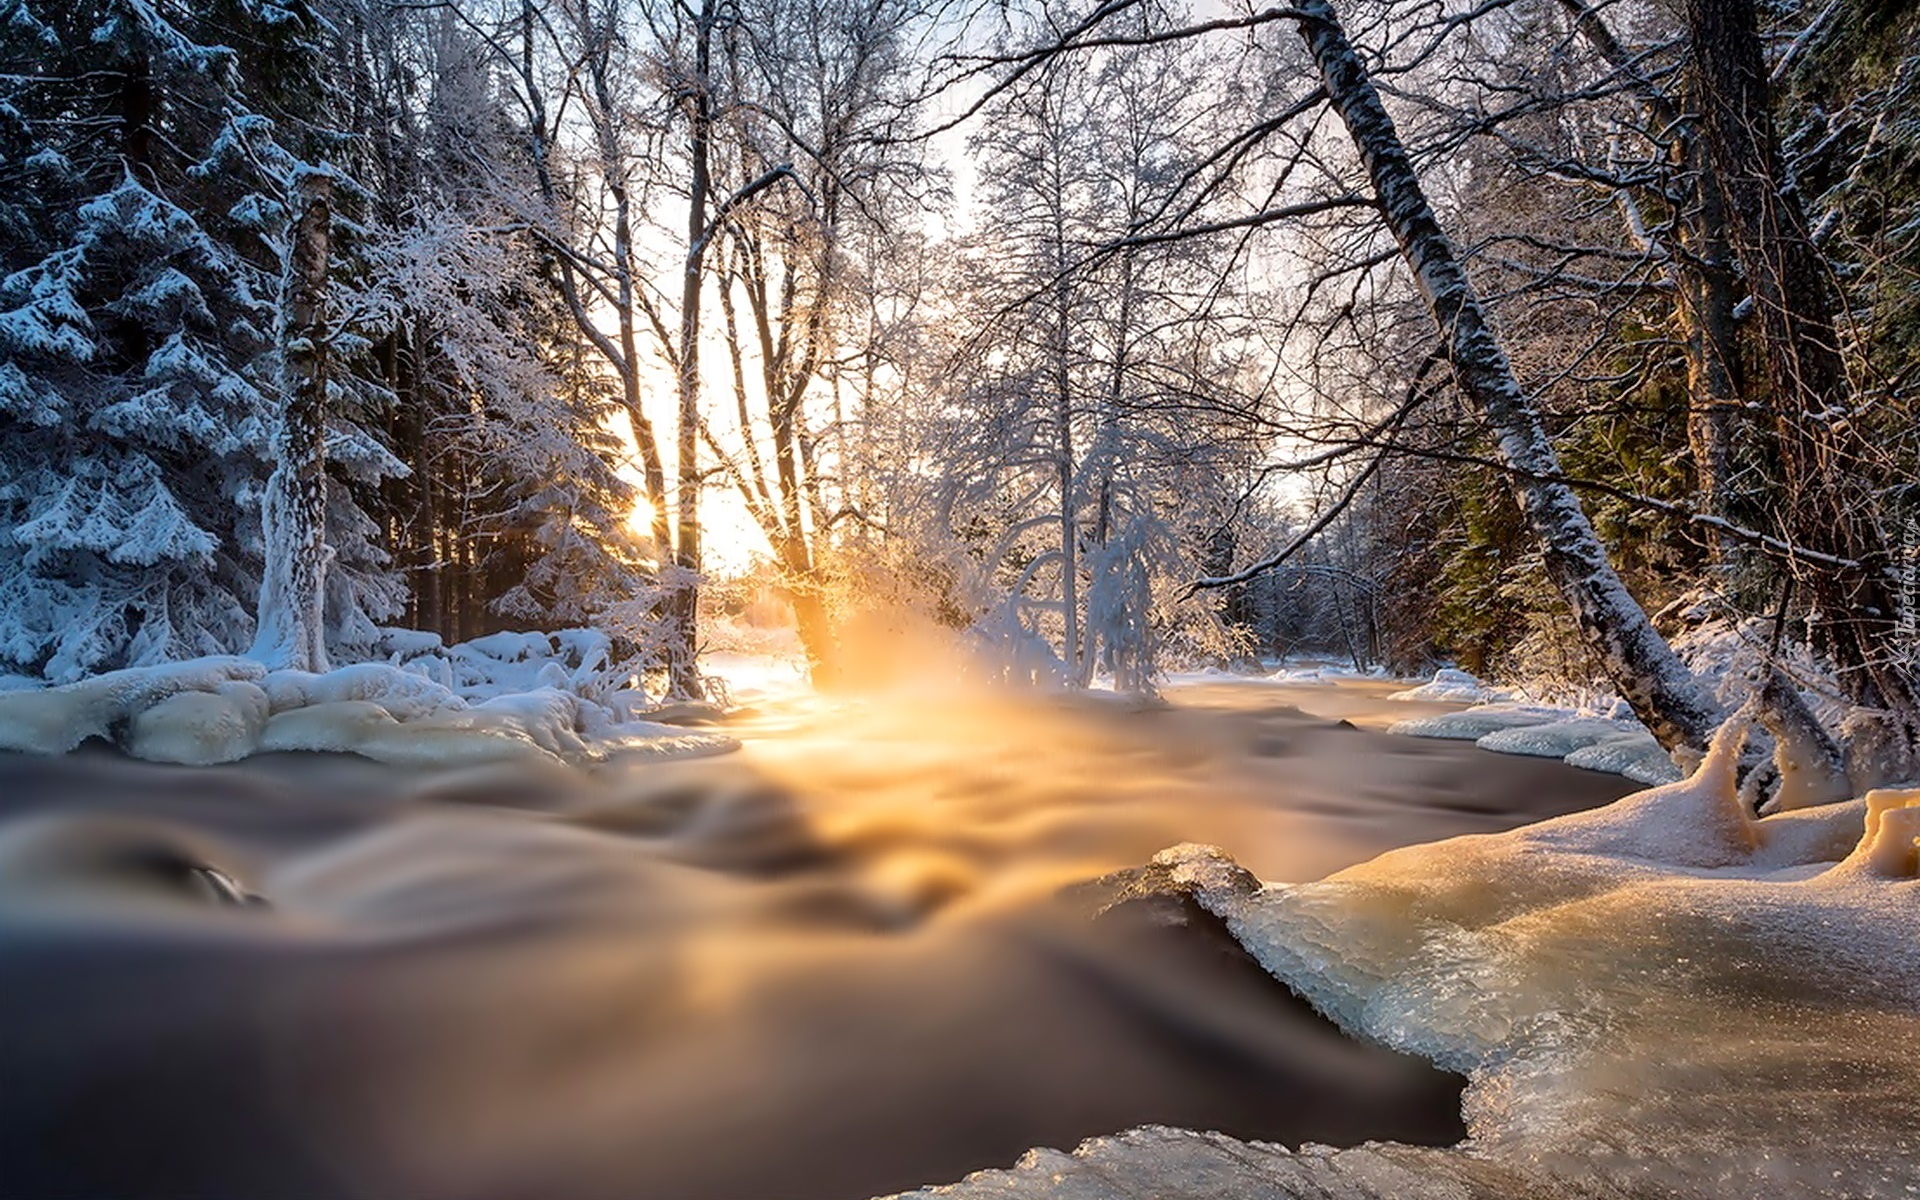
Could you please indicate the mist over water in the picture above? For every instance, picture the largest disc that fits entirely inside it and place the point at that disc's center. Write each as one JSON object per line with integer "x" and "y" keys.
{"x": 831, "y": 965}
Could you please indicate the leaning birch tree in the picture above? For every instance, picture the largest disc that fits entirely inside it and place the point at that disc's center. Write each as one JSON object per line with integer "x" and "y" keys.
{"x": 1638, "y": 661}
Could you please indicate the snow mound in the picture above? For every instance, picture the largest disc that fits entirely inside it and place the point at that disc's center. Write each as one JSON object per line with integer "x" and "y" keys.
{"x": 1473, "y": 724}
{"x": 1556, "y": 739}
{"x": 1635, "y": 755}
{"x": 218, "y": 710}
{"x": 1665, "y": 996}
{"x": 403, "y": 694}
{"x": 201, "y": 728}
{"x": 57, "y": 720}
{"x": 1616, "y": 745}
{"x": 581, "y": 661}
{"x": 1451, "y": 686}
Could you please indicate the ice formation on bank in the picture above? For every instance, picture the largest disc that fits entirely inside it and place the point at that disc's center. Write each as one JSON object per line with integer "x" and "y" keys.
{"x": 505, "y": 698}
{"x": 1663, "y": 997}
{"x": 1728, "y": 657}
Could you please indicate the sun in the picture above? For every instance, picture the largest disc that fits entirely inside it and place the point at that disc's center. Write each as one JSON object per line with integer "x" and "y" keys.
{"x": 640, "y": 518}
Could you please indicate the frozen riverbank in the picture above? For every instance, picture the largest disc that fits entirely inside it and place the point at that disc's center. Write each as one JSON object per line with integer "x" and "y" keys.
{"x": 825, "y": 967}
{"x": 1661, "y": 998}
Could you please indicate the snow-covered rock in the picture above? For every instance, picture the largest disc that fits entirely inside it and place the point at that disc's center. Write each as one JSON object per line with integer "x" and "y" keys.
{"x": 201, "y": 728}
{"x": 1614, "y": 744}
{"x": 1556, "y": 739}
{"x": 58, "y": 719}
{"x": 401, "y": 693}
{"x": 1635, "y": 756}
{"x": 1470, "y": 725}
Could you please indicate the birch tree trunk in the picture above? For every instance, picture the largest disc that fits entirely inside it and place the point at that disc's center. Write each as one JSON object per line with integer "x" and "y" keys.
{"x": 1662, "y": 692}
{"x": 291, "y": 630}
{"x": 1063, "y": 450}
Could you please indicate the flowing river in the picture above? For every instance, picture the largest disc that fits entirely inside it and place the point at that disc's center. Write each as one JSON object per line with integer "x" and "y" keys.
{"x": 834, "y": 964}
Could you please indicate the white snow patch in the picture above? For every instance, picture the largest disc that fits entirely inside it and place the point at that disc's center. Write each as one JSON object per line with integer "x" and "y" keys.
{"x": 201, "y": 728}
{"x": 218, "y": 710}
{"x": 401, "y": 693}
{"x": 1452, "y": 686}
{"x": 57, "y": 720}
{"x": 749, "y": 677}
{"x": 1634, "y": 755}
{"x": 1470, "y": 725}
{"x": 1556, "y": 739}
{"x": 1613, "y": 744}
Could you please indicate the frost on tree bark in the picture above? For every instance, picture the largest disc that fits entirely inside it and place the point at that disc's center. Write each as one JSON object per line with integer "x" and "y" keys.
{"x": 1829, "y": 508}
{"x": 1662, "y": 692}
{"x": 291, "y": 630}
{"x": 683, "y": 602}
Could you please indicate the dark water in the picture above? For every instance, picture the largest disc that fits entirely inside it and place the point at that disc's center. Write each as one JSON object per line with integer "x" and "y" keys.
{"x": 830, "y": 966}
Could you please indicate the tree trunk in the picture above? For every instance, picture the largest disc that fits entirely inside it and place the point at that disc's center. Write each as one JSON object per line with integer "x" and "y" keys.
{"x": 1828, "y": 508}
{"x": 1661, "y": 691}
{"x": 1706, "y": 286}
{"x": 1709, "y": 292}
{"x": 1064, "y": 472}
{"x": 291, "y": 630}
{"x": 683, "y": 604}
{"x": 815, "y": 627}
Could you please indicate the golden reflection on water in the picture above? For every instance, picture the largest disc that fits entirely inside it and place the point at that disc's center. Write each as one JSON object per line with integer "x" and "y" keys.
{"x": 826, "y": 966}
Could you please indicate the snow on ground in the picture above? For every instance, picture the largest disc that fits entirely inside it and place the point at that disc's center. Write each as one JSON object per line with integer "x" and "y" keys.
{"x": 1452, "y": 686}
{"x": 1599, "y": 738}
{"x": 1662, "y": 997}
{"x": 505, "y": 697}
{"x": 1498, "y": 721}
{"x": 752, "y": 678}
{"x": 1600, "y": 734}
{"x": 1309, "y": 672}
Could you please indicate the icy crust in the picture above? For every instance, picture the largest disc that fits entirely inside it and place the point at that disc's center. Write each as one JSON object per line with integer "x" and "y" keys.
{"x": 218, "y": 710}
{"x": 1158, "y": 1163}
{"x": 1663, "y": 997}
{"x": 1612, "y": 744}
{"x": 1476, "y": 723}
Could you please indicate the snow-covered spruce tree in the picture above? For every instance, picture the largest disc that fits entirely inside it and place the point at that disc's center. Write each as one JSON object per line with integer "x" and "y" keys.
{"x": 145, "y": 158}
{"x": 134, "y": 335}
{"x": 511, "y": 510}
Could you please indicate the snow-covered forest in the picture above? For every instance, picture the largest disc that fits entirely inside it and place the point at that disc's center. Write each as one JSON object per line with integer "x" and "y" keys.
{"x": 664, "y": 598}
{"x": 1537, "y": 338}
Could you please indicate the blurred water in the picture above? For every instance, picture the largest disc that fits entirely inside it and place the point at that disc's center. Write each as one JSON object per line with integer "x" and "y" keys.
{"x": 829, "y": 966}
